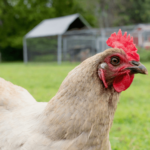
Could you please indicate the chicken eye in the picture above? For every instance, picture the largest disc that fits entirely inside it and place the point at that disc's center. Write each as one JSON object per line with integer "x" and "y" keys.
{"x": 115, "y": 61}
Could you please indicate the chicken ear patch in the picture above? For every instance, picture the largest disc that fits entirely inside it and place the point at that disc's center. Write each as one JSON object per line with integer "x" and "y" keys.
{"x": 122, "y": 82}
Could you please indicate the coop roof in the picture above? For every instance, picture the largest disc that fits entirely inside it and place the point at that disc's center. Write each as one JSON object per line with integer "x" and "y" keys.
{"x": 58, "y": 26}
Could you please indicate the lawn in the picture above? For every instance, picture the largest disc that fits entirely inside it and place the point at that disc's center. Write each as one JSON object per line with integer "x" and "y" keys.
{"x": 131, "y": 127}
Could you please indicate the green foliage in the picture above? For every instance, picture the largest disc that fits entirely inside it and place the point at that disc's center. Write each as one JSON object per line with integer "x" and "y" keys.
{"x": 131, "y": 127}
{"x": 118, "y": 12}
{"x": 17, "y": 17}
{"x": 133, "y": 12}
{"x": 144, "y": 55}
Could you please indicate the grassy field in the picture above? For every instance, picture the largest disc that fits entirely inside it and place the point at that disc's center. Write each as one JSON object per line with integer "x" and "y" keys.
{"x": 131, "y": 127}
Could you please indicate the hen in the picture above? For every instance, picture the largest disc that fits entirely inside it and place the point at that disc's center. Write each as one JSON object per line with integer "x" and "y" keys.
{"x": 80, "y": 115}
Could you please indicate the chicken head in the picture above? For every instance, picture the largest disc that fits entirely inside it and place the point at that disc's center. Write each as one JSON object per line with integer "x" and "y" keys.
{"x": 118, "y": 70}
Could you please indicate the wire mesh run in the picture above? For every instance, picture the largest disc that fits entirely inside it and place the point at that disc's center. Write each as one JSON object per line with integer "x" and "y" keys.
{"x": 78, "y": 48}
{"x": 42, "y": 49}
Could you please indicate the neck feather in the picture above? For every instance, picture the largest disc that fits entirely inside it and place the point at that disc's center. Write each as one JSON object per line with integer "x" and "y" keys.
{"x": 82, "y": 106}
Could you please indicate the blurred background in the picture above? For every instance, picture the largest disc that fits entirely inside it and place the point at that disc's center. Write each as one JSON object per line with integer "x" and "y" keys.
{"x": 82, "y": 34}
{"x": 43, "y": 33}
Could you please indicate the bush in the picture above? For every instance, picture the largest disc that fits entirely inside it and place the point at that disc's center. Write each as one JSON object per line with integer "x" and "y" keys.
{"x": 11, "y": 54}
{"x": 144, "y": 55}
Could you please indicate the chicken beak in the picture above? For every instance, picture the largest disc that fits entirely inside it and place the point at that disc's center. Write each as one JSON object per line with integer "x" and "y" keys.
{"x": 137, "y": 68}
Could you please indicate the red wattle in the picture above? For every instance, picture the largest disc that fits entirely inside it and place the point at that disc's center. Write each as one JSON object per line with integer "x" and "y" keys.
{"x": 122, "y": 82}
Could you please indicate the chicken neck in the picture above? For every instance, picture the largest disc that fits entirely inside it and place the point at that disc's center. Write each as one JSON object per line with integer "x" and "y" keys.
{"x": 82, "y": 109}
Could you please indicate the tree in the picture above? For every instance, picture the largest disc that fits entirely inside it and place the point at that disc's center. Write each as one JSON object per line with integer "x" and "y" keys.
{"x": 109, "y": 13}
{"x": 17, "y": 17}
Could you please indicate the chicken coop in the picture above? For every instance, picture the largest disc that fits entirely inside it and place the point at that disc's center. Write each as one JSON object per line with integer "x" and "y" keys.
{"x": 72, "y": 39}
{"x": 141, "y": 35}
{"x": 49, "y": 41}
{"x": 68, "y": 38}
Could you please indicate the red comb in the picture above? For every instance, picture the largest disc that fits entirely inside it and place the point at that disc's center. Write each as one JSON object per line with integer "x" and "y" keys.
{"x": 125, "y": 43}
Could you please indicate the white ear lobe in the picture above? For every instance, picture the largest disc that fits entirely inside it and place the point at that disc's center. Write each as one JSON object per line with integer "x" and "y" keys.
{"x": 103, "y": 65}
{"x": 99, "y": 73}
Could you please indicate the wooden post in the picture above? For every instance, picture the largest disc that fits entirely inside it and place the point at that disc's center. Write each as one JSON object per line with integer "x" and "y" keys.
{"x": 59, "y": 47}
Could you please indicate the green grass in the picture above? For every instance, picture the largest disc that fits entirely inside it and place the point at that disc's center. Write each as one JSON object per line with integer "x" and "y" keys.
{"x": 41, "y": 80}
{"x": 131, "y": 127}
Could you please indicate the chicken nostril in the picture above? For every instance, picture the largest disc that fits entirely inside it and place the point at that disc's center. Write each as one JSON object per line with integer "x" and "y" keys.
{"x": 135, "y": 63}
